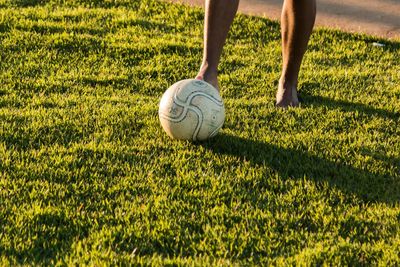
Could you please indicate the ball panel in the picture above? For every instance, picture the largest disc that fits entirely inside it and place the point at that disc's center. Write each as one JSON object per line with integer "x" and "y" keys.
{"x": 169, "y": 107}
{"x": 213, "y": 115}
{"x": 188, "y": 87}
{"x": 182, "y": 129}
{"x": 215, "y": 132}
{"x": 197, "y": 98}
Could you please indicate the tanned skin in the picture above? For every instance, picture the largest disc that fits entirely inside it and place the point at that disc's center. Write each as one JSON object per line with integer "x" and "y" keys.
{"x": 297, "y": 22}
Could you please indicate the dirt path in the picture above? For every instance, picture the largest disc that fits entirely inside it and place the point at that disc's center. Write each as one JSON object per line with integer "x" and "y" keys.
{"x": 376, "y": 17}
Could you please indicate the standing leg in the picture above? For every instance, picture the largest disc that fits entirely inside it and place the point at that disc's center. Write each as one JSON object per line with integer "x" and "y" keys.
{"x": 297, "y": 22}
{"x": 218, "y": 19}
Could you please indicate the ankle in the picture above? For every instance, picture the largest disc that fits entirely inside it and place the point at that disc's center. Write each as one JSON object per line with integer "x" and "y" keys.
{"x": 208, "y": 71}
{"x": 287, "y": 84}
{"x": 209, "y": 75}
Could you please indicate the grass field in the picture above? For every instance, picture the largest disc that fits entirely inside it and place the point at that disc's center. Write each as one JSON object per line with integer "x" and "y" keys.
{"x": 89, "y": 177}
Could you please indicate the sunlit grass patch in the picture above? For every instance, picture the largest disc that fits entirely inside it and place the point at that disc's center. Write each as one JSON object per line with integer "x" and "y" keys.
{"x": 89, "y": 177}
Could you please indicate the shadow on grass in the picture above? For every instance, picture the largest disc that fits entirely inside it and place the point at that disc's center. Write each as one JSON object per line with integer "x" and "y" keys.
{"x": 79, "y": 29}
{"x": 28, "y": 3}
{"x": 92, "y": 3}
{"x": 46, "y": 236}
{"x": 65, "y": 134}
{"x": 117, "y": 82}
{"x": 53, "y": 29}
{"x": 298, "y": 164}
{"x": 347, "y": 106}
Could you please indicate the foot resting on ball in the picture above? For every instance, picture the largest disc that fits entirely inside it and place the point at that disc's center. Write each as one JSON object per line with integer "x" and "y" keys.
{"x": 211, "y": 79}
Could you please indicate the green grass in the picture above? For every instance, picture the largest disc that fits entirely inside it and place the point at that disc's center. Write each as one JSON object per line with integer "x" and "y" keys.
{"x": 89, "y": 177}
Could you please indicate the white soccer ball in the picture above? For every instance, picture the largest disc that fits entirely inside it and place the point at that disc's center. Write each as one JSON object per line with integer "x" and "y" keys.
{"x": 191, "y": 110}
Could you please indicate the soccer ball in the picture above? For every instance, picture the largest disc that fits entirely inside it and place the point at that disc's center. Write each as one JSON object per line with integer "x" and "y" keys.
{"x": 191, "y": 110}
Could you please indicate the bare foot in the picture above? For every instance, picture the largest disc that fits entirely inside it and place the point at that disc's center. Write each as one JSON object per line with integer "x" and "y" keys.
{"x": 286, "y": 95}
{"x": 210, "y": 78}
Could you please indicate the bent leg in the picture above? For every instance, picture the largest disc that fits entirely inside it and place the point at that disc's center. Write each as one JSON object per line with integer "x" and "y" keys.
{"x": 297, "y": 22}
{"x": 218, "y": 19}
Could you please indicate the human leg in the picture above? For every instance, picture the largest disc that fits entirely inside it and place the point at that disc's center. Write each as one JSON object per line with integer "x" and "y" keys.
{"x": 297, "y": 22}
{"x": 218, "y": 19}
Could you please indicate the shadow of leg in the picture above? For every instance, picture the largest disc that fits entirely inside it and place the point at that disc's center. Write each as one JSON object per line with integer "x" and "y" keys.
{"x": 296, "y": 164}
